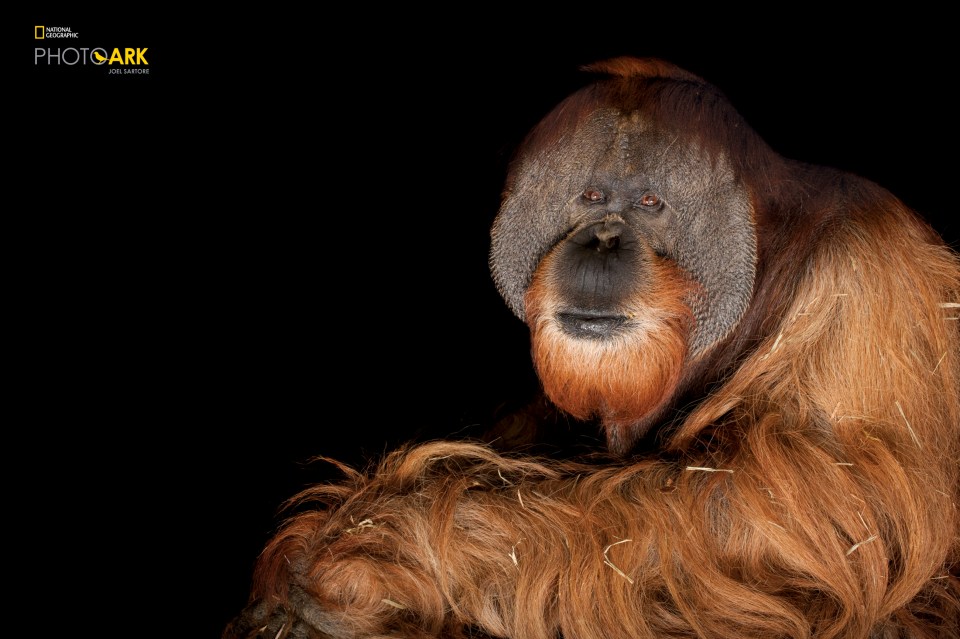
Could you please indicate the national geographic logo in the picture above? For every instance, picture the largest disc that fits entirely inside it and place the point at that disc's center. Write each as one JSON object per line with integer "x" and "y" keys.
{"x": 128, "y": 60}
{"x": 42, "y": 33}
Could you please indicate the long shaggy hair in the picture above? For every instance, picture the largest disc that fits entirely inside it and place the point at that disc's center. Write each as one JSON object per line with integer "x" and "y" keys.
{"x": 812, "y": 492}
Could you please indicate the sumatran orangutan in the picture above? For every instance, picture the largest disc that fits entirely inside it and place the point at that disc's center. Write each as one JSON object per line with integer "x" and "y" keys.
{"x": 782, "y": 341}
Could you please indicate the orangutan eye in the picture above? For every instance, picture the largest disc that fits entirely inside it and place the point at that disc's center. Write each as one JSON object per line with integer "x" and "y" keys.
{"x": 650, "y": 200}
{"x": 593, "y": 195}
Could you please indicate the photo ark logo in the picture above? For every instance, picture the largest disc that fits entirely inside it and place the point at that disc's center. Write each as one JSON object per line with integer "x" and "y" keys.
{"x": 114, "y": 61}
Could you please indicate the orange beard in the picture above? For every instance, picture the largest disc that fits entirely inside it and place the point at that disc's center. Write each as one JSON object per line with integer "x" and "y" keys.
{"x": 621, "y": 379}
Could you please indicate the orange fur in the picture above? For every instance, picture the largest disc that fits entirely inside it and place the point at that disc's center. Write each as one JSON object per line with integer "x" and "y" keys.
{"x": 810, "y": 490}
{"x": 813, "y": 495}
{"x": 619, "y": 380}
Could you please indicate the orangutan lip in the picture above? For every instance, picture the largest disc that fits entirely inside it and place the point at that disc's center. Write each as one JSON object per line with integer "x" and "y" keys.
{"x": 590, "y": 325}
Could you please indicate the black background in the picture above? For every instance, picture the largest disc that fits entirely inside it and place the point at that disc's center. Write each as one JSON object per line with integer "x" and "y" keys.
{"x": 274, "y": 246}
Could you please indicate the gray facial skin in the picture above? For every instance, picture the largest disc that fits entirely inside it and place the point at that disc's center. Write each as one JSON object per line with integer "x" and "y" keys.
{"x": 596, "y": 180}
